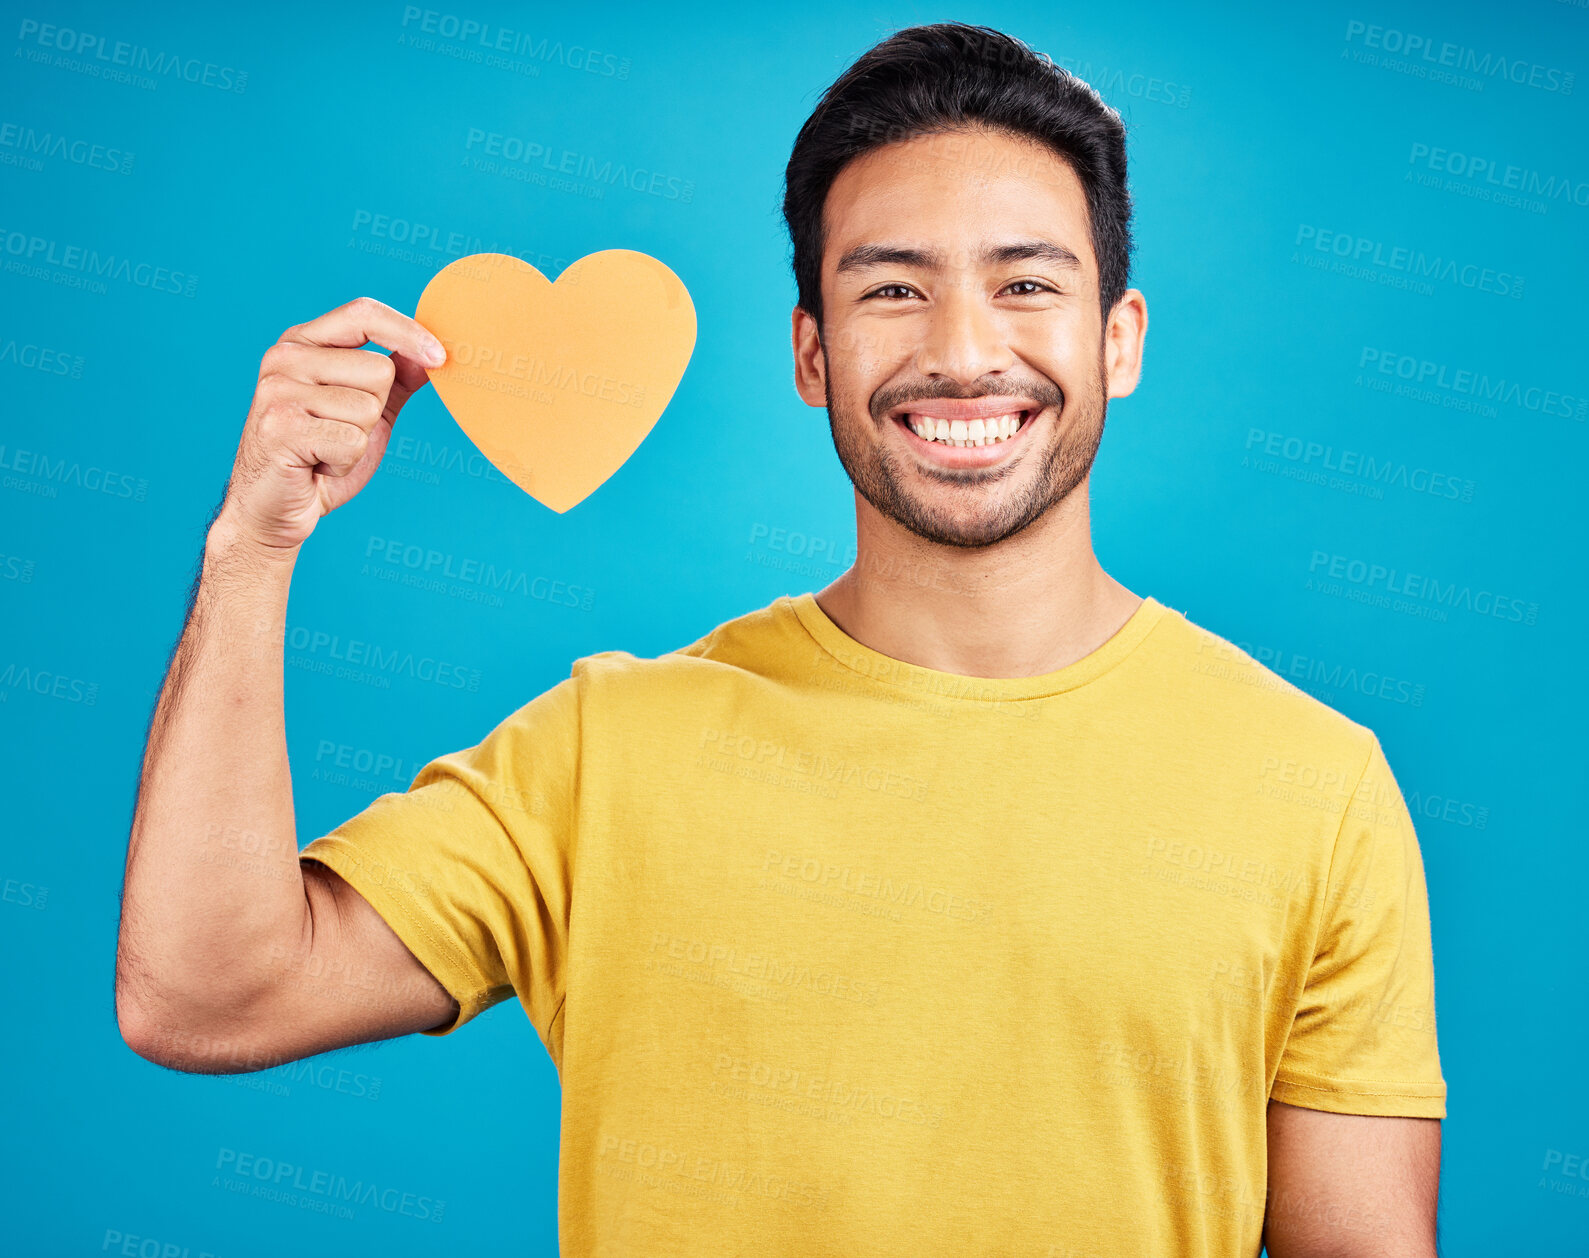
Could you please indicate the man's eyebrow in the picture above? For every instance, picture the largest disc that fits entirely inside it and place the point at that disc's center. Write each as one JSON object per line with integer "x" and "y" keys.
{"x": 862, "y": 257}
{"x": 1033, "y": 251}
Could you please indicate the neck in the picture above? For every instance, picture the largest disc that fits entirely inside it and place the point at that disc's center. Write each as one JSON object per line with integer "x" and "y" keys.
{"x": 1032, "y": 604}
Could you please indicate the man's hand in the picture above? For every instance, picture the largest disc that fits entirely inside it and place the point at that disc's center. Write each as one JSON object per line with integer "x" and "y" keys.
{"x": 1344, "y": 1185}
{"x": 321, "y": 417}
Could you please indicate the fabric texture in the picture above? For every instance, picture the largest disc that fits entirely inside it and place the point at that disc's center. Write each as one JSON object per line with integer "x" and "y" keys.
{"x": 835, "y": 954}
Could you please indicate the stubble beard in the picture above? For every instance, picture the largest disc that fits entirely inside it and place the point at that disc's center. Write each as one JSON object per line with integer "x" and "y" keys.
{"x": 1074, "y": 435}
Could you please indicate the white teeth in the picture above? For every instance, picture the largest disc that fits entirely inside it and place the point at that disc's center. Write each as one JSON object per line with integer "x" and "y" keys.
{"x": 959, "y": 432}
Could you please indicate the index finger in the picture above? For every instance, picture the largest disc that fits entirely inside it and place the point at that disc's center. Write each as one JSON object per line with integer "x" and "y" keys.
{"x": 364, "y": 320}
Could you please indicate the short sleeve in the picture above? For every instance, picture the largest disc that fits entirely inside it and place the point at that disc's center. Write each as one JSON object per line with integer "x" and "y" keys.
{"x": 1362, "y": 1040}
{"x": 471, "y": 865}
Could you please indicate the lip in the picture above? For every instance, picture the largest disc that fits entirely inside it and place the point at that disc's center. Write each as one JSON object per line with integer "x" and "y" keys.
{"x": 968, "y": 456}
{"x": 953, "y": 408}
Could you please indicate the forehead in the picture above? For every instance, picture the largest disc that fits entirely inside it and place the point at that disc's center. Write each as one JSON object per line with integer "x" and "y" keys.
{"x": 954, "y": 188}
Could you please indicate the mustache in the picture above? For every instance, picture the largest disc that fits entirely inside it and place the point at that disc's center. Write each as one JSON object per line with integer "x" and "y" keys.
{"x": 1044, "y": 392}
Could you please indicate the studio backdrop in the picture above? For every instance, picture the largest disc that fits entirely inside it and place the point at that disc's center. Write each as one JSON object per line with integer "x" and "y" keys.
{"x": 1356, "y": 451}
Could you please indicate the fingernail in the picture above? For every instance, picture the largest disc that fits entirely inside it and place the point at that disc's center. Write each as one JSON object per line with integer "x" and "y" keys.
{"x": 435, "y": 354}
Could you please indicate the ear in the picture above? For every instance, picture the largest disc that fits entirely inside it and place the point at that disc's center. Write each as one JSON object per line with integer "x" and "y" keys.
{"x": 810, "y": 362}
{"x": 1123, "y": 338}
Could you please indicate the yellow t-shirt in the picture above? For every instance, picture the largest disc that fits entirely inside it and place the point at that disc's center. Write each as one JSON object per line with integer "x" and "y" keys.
{"x": 840, "y": 955}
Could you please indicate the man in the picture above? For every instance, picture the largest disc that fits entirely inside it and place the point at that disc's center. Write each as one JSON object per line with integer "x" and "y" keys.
{"x": 973, "y": 905}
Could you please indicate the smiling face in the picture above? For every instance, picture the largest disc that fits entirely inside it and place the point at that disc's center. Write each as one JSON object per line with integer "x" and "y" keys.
{"x": 963, "y": 358}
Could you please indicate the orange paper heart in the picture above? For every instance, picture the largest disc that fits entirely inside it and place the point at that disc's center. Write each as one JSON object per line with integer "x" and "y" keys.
{"x": 558, "y": 384}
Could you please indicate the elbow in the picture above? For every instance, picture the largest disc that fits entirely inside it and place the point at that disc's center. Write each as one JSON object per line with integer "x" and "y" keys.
{"x": 149, "y": 1029}
{"x": 141, "y": 1030}
{"x": 165, "y": 1034}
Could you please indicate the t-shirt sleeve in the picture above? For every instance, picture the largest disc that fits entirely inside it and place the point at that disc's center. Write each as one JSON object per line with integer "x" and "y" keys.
{"x": 471, "y": 865}
{"x": 1362, "y": 1040}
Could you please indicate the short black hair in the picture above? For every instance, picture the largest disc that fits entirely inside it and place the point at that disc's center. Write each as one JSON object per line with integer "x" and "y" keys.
{"x": 929, "y": 79}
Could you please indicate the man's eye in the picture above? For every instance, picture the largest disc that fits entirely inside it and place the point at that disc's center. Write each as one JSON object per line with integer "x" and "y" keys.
{"x": 1032, "y": 287}
{"x": 891, "y": 288}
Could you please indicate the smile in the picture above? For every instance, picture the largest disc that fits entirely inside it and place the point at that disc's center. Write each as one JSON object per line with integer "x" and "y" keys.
{"x": 961, "y": 432}
{"x": 966, "y": 433}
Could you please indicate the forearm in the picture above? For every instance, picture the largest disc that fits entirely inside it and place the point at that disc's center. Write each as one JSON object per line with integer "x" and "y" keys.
{"x": 213, "y": 889}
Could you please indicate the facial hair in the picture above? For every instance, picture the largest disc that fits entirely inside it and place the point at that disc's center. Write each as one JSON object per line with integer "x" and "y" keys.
{"x": 1075, "y": 431}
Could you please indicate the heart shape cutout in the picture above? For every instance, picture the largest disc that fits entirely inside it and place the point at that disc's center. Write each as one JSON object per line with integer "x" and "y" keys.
{"x": 558, "y": 384}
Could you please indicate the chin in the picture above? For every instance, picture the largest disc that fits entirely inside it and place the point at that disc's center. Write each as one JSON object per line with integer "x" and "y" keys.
{"x": 928, "y": 516}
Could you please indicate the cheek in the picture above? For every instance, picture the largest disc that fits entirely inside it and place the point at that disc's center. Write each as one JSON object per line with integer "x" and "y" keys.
{"x": 862, "y": 352}
{"x": 1057, "y": 344}
{"x": 862, "y": 360}
{"x": 1070, "y": 368}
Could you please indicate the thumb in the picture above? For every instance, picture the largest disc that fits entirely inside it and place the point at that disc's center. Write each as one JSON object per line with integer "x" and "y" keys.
{"x": 411, "y": 377}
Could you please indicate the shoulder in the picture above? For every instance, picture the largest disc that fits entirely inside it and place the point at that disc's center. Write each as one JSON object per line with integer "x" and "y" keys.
{"x": 745, "y": 648}
{"x": 1229, "y": 691}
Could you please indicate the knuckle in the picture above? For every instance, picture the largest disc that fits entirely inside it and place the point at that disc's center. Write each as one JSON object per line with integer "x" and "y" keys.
{"x": 343, "y": 451}
{"x": 278, "y": 356}
{"x": 343, "y": 435}
{"x": 279, "y": 413}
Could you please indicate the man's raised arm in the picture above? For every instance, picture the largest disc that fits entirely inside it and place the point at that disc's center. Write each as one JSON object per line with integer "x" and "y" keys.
{"x": 229, "y": 949}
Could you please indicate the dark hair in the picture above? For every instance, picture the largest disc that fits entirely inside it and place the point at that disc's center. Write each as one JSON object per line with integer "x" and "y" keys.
{"x": 929, "y": 79}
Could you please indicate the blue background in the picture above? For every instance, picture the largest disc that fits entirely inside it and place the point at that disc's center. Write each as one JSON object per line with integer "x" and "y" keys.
{"x": 1250, "y": 128}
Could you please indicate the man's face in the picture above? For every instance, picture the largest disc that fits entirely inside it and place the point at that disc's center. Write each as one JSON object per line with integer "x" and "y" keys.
{"x": 959, "y": 287}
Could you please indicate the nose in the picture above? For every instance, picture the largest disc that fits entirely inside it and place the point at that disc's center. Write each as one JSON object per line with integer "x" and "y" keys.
{"x": 965, "y": 338}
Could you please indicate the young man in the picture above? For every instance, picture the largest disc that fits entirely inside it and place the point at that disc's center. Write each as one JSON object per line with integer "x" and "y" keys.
{"x": 974, "y": 904}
